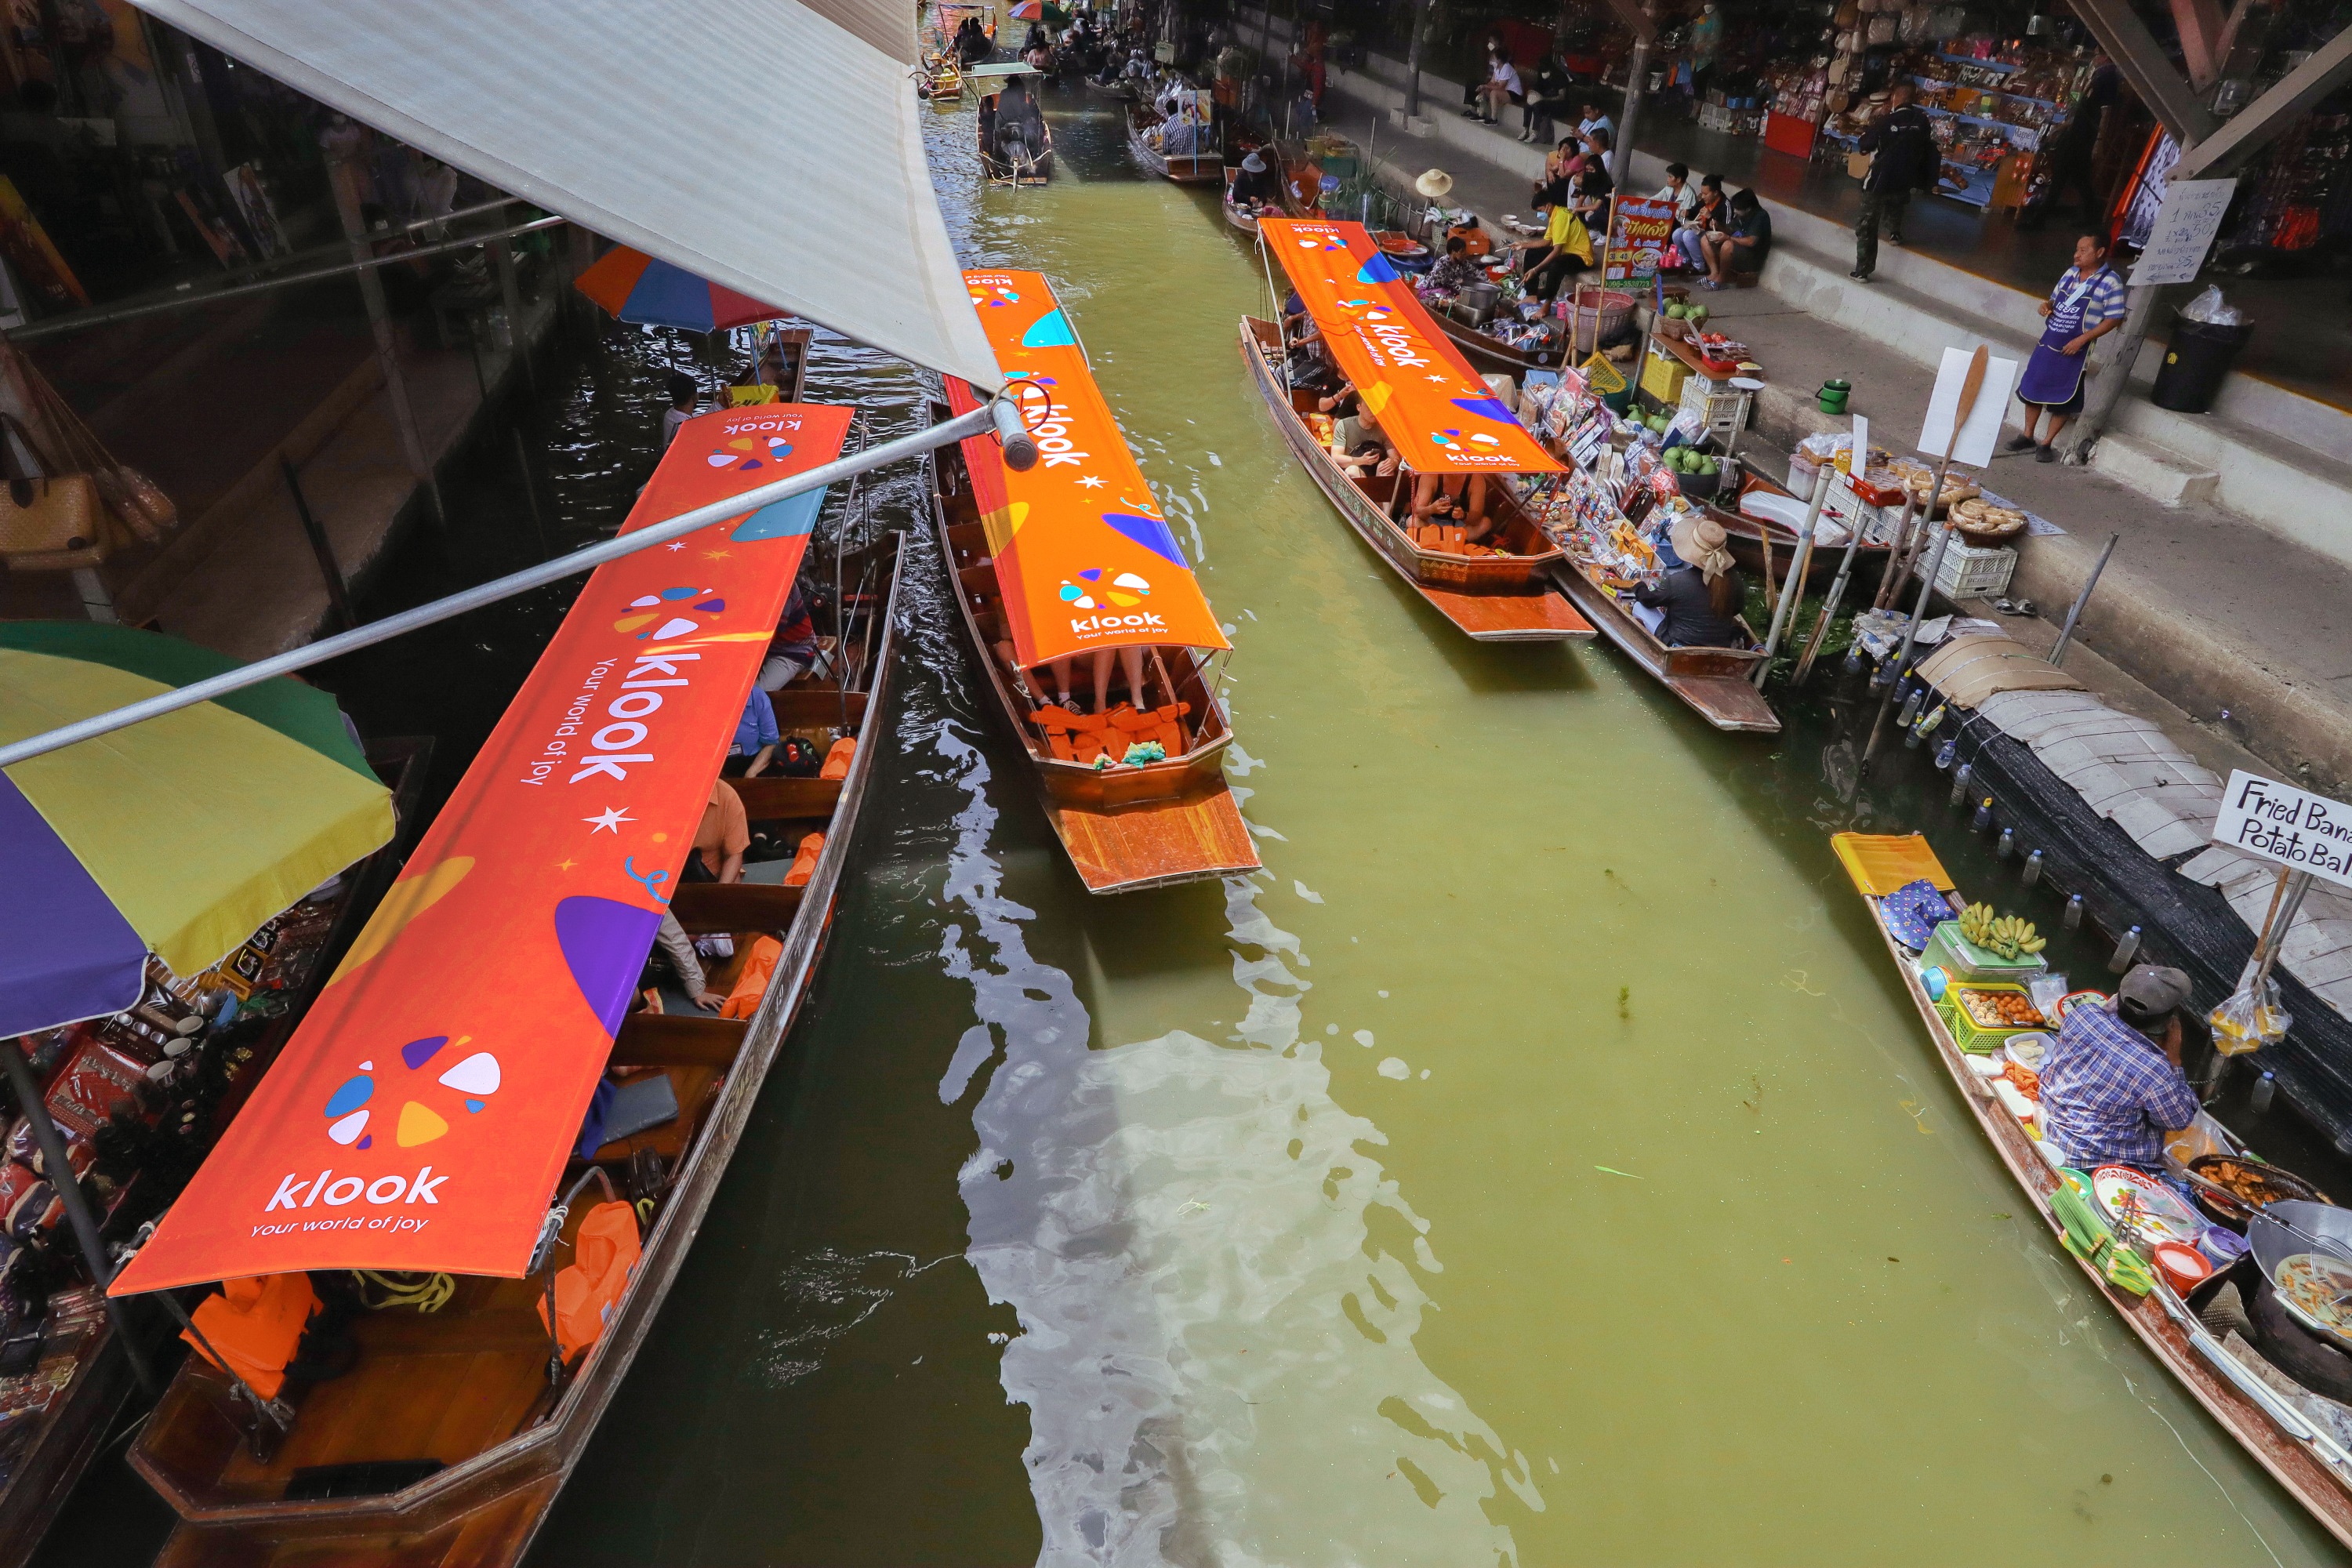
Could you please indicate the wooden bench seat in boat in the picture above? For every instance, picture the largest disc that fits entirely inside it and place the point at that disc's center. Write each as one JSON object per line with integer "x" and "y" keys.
{"x": 772, "y": 797}
{"x": 706, "y": 909}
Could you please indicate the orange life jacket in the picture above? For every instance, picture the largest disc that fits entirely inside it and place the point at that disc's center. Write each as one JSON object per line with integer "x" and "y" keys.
{"x": 837, "y": 758}
{"x": 759, "y": 968}
{"x": 805, "y": 862}
{"x": 589, "y": 1292}
{"x": 256, "y": 1325}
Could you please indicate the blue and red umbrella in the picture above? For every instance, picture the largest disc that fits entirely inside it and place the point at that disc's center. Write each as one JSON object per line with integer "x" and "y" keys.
{"x": 635, "y": 287}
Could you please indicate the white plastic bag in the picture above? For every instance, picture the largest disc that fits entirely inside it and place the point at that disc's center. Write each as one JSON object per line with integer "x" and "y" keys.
{"x": 2213, "y": 310}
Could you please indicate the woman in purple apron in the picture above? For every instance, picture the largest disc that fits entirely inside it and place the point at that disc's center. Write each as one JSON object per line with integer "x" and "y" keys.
{"x": 2087, "y": 304}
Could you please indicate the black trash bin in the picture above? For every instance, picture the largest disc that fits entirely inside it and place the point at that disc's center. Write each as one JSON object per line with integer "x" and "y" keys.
{"x": 2199, "y": 356}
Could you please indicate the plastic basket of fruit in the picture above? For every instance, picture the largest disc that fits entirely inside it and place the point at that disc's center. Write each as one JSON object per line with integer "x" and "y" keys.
{"x": 1950, "y": 951}
{"x": 1982, "y": 1016}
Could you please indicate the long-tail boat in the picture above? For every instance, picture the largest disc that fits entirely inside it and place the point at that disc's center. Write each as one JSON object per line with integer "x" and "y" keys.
{"x": 2300, "y": 1453}
{"x": 1442, "y": 418}
{"x": 436, "y": 1128}
{"x": 1037, "y": 167}
{"x": 1070, "y": 585}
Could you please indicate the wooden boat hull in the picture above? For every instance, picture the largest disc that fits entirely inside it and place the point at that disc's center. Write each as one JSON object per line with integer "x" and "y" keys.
{"x": 1117, "y": 89}
{"x": 1488, "y": 356}
{"x": 1207, "y": 168}
{"x": 1713, "y": 682}
{"x": 482, "y": 1511}
{"x": 1240, "y": 220}
{"x": 2326, "y": 1495}
{"x": 1747, "y": 535}
{"x": 1126, "y": 829}
{"x": 1490, "y": 598}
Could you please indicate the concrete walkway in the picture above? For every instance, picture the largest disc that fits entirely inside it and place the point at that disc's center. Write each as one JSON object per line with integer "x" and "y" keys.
{"x": 2246, "y": 632}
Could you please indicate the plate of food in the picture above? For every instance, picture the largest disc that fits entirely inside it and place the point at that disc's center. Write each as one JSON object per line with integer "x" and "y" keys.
{"x": 2317, "y": 1287}
{"x": 2140, "y": 1203}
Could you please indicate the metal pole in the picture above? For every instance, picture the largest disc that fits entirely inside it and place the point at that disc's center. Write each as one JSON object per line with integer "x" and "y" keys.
{"x": 1830, "y": 605}
{"x": 387, "y": 353}
{"x": 338, "y": 593}
{"x": 1911, "y": 632}
{"x": 989, "y": 416}
{"x": 59, "y": 1167}
{"x": 82, "y": 320}
{"x": 2067, "y": 631}
{"x": 510, "y": 298}
{"x": 1795, "y": 588}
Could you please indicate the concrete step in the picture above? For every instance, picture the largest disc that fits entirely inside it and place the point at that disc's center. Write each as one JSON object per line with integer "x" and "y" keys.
{"x": 2151, "y": 471}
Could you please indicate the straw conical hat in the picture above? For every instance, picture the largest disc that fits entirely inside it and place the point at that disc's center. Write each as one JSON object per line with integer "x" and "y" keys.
{"x": 1434, "y": 184}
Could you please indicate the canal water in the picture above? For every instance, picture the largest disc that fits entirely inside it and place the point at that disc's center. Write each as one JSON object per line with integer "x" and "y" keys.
{"x": 1537, "y": 1165}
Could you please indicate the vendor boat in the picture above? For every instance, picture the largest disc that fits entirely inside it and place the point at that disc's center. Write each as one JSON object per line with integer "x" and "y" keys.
{"x": 1716, "y": 683}
{"x": 2302, "y": 1457}
{"x": 448, "y": 1438}
{"x": 1488, "y": 355}
{"x": 1443, "y": 420}
{"x": 1048, "y": 567}
{"x": 1244, "y": 221}
{"x": 1120, "y": 88}
{"x": 1750, "y": 533}
{"x": 1146, "y": 129}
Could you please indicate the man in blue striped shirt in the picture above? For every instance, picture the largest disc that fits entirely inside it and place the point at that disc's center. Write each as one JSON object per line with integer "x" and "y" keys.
{"x": 2111, "y": 1084}
{"x": 2087, "y": 304}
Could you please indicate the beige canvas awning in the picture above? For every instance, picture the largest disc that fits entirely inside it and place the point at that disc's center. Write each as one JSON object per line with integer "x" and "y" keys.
{"x": 767, "y": 145}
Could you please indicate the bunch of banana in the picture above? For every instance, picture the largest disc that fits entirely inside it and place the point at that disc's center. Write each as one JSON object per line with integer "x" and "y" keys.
{"x": 1976, "y": 923}
{"x": 2013, "y": 938}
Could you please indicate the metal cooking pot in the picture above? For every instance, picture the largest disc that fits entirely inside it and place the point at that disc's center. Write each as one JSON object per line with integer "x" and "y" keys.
{"x": 1481, "y": 297}
{"x": 2285, "y": 1230}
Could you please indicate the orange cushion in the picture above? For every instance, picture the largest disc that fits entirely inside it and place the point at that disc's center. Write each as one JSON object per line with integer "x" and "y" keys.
{"x": 256, "y": 1323}
{"x": 805, "y": 862}
{"x": 759, "y": 968}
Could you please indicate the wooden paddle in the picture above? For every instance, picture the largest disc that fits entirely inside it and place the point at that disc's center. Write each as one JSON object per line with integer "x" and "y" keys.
{"x": 1970, "y": 385}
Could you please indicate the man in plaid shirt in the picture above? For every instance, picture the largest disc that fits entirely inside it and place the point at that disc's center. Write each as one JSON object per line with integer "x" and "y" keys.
{"x": 2112, "y": 1085}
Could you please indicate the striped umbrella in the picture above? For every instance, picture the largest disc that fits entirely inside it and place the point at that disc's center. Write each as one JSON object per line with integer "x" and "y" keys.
{"x": 634, "y": 287}
{"x": 177, "y": 837}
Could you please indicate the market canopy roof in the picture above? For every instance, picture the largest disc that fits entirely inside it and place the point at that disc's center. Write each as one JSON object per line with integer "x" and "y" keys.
{"x": 178, "y": 837}
{"x": 1083, "y": 555}
{"x": 422, "y": 1113}
{"x": 753, "y": 142}
{"x": 1438, "y": 411}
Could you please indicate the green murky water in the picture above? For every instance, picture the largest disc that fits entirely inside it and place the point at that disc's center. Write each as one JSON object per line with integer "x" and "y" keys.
{"x": 1536, "y": 1166}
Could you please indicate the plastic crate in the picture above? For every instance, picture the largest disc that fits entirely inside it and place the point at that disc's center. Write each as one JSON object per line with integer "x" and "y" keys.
{"x": 1717, "y": 406}
{"x": 1965, "y": 962}
{"x": 1662, "y": 375}
{"x": 1969, "y": 573}
{"x": 1969, "y": 1035}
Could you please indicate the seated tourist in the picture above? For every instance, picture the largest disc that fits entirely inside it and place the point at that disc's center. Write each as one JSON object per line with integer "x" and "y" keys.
{"x": 794, "y": 648}
{"x": 1738, "y": 251}
{"x": 756, "y": 737}
{"x": 1456, "y": 498}
{"x": 1372, "y": 454}
{"x": 720, "y": 841}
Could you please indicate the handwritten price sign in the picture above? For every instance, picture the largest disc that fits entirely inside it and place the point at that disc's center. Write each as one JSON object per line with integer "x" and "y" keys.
{"x": 2292, "y": 826}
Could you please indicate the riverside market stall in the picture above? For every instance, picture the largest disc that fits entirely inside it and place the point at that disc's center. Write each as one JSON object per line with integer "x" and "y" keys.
{"x": 394, "y": 1182}
{"x": 2230, "y": 1271}
{"x": 164, "y": 928}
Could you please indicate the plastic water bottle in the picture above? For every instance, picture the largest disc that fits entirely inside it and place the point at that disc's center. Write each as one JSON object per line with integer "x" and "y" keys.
{"x": 1947, "y": 752}
{"x": 2033, "y": 873}
{"x": 2265, "y": 1090}
{"x": 1983, "y": 818}
{"x": 2125, "y": 950}
{"x": 1910, "y": 708}
{"x": 1960, "y": 782}
{"x": 2007, "y": 845}
{"x": 2073, "y": 919}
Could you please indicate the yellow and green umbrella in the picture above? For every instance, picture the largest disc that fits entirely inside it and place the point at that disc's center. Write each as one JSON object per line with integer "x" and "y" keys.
{"x": 177, "y": 837}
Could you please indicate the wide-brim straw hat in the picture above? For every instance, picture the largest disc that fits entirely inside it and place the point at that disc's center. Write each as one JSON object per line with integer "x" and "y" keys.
{"x": 1434, "y": 184}
{"x": 1254, "y": 163}
{"x": 1702, "y": 543}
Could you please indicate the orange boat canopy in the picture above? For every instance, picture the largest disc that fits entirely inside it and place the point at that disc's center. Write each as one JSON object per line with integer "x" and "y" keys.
{"x": 1439, "y": 412}
{"x": 420, "y": 1117}
{"x": 1083, "y": 555}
